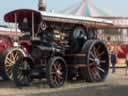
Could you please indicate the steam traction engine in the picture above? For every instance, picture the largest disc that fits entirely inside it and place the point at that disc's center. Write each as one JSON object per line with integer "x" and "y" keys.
{"x": 61, "y": 47}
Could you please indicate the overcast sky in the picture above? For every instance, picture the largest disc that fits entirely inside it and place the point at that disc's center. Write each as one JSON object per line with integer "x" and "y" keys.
{"x": 114, "y": 7}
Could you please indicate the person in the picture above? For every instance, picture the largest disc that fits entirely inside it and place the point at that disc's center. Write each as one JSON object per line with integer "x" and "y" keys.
{"x": 113, "y": 61}
{"x": 126, "y": 62}
{"x": 24, "y": 27}
{"x": 109, "y": 44}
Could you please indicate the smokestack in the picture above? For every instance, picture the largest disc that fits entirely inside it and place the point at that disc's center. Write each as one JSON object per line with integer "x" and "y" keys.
{"x": 42, "y": 5}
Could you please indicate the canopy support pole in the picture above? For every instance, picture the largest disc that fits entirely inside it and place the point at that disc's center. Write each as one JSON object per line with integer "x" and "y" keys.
{"x": 33, "y": 26}
{"x": 16, "y": 25}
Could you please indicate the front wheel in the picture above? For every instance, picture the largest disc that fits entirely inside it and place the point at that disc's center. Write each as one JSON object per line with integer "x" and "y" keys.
{"x": 8, "y": 59}
{"x": 21, "y": 72}
{"x": 56, "y": 73}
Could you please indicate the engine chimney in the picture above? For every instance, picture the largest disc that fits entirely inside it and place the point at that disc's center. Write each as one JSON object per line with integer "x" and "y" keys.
{"x": 42, "y": 5}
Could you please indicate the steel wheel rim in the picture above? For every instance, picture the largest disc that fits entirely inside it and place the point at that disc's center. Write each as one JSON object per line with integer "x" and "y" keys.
{"x": 97, "y": 62}
{"x": 10, "y": 60}
{"x": 57, "y": 73}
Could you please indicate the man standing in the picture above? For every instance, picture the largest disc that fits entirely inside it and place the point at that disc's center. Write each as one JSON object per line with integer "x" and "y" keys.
{"x": 109, "y": 44}
{"x": 113, "y": 61}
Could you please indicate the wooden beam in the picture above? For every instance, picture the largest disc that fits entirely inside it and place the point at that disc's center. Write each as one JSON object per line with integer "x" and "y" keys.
{"x": 76, "y": 65}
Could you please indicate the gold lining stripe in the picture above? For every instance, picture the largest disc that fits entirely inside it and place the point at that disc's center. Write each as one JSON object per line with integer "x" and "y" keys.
{"x": 75, "y": 55}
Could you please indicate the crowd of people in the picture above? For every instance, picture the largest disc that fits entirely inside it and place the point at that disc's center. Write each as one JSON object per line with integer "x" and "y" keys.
{"x": 114, "y": 58}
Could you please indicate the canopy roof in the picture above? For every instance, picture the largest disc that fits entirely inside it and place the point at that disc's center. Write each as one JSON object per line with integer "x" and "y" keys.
{"x": 19, "y": 15}
{"x": 72, "y": 19}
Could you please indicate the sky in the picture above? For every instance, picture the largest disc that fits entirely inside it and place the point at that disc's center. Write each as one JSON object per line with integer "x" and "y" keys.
{"x": 114, "y": 7}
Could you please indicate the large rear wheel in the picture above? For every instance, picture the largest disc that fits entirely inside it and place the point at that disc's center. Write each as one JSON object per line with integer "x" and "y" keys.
{"x": 8, "y": 59}
{"x": 96, "y": 60}
{"x": 56, "y": 73}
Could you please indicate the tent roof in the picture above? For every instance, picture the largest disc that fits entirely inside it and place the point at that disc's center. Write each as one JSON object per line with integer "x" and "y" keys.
{"x": 85, "y": 8}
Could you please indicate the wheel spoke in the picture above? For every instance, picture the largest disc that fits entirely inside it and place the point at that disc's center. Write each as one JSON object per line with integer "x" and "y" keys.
{"x": 54, "y": 65}
{"x": 98, "y": 74}
{"x": 103, "y": 61}
{"x": 97, "y": 50}
{"x": 8, "y": 65}
{"x": 94, "y": 51}
{"x": 98, "y": 55}
{"x": 101, "y": 69}
{"x": 9, "y": 61}
{"x": 21, "y": 77}
{"x": 59, "y": 75}
{"x": 10, "y": 73}
{"x": 25, "y": 65}
{"x": 91, "y": 64}
{"x": 53, "y": 73}
{"x": 91, "y": 59}
{"x": 16, "y": 55}
{"x": 9, "y": 69}
{"x": 95, "y": 73}
{"x": 58, "y": 79}
{"x": 59, "y": 66}
{"x": 12, "y": 55}
{"x": 92, "y": 54}
{"x": 55, "y": 80}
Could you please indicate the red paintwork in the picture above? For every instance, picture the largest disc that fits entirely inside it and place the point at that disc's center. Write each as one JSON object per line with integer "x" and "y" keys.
{"x": 5, "y": 39}
{"x": 124, "y": 48}
{"x": 20, "y": 14}
{"x": 5, "y": 43}
{"x": 26, "y": 45}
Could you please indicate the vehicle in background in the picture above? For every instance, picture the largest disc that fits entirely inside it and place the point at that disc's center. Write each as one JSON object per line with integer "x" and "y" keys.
{"x": 8, "y": 39}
